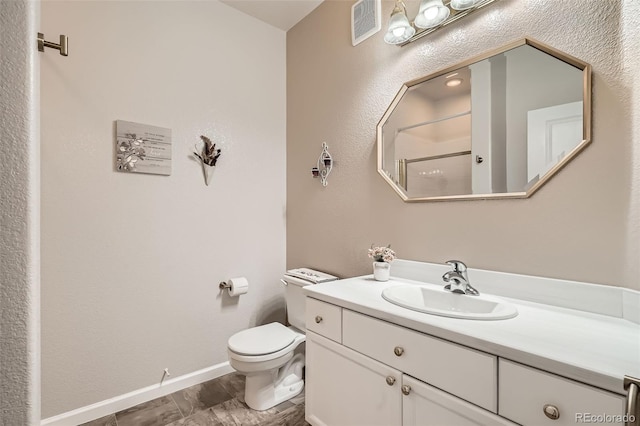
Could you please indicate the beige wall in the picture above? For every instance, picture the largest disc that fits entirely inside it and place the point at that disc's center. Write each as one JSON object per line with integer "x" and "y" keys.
{"x": 583, "y": 225}
{"x": 131, "y": 263}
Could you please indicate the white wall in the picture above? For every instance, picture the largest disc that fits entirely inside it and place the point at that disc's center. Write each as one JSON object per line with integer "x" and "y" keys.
{"x": 534, "y": 80}
{"x": 19, "y": 214}
{"x": 131, "y": 263}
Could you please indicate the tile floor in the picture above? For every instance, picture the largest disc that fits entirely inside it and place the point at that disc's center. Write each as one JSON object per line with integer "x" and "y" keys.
{"x": 218, "y": 402}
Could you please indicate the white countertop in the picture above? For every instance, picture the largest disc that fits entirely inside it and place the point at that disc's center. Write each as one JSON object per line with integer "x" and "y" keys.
{"x": 592, "y": 348}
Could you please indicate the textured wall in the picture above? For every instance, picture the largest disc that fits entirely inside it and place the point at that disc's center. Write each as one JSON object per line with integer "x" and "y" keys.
{"x": 630, "y": 67}
{"x": 131, "y": 263}
{"x": 583, "y": 225}
{"x": 19, "y": 215}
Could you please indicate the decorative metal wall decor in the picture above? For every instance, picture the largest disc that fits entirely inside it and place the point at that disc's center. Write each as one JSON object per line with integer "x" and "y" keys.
{"x": 323, "y": 166}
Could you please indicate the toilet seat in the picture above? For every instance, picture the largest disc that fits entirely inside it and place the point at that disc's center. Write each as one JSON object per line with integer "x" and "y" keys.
{"x": 261, "y": 340}
{"x": 264, "y": 343}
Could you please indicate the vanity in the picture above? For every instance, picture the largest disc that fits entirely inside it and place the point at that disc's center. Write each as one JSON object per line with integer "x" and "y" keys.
{"x": 561, "y": 360}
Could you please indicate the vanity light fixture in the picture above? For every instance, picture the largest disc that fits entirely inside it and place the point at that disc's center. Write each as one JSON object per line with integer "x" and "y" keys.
{"x": 432, "y": 15}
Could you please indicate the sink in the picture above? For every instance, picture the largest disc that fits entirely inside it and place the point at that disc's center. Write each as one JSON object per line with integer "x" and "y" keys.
{"x": 447, "y": 304}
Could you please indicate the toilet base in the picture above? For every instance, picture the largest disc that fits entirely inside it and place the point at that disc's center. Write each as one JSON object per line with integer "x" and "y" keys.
{"x": 270, "y": 388}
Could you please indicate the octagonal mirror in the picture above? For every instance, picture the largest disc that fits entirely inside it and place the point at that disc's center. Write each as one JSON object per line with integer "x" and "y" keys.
{"x": 495, "y": 126}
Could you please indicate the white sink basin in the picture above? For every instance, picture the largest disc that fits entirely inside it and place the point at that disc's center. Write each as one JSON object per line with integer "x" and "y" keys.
{"x": 447, "y": 304}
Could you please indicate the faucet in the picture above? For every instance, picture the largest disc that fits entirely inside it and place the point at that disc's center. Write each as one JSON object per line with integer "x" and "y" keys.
{"x": 457, "y": 279}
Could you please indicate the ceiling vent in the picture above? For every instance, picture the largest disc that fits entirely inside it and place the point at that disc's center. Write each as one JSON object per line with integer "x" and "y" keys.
{"x": 365, "y": 19}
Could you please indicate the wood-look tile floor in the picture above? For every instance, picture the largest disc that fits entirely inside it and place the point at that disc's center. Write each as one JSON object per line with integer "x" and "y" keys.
{"x": 218, "y": 402}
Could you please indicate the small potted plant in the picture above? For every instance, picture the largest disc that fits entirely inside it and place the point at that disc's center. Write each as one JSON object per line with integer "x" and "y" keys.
{"x": 382, "y": 256}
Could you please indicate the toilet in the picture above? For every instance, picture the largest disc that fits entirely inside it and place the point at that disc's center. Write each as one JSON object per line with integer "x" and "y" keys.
{"x": 272, "y": 355}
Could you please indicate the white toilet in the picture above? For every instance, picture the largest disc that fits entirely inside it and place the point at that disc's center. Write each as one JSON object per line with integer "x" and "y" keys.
{"x": 271, "y": 355}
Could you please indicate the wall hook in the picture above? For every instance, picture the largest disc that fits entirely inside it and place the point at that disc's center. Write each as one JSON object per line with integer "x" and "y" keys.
{"x": 63, "y": 47}
{"x": 323, "y": 166}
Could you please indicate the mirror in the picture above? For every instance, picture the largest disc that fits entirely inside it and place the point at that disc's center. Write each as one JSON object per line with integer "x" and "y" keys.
{"x": 496, "y": 126}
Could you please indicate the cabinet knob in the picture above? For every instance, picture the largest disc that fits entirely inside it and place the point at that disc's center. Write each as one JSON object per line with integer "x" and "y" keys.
{"x": 391, "y": 380}
{"x": 318, "y": 319}
{"x": 398, "y": 351}
{"x": 406, "y": 389}
{"x": 551, "y": 411}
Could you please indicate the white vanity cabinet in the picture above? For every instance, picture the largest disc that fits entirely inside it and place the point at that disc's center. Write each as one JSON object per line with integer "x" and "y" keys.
{"x": 351, "y": 387}
{"x": 346, "y": 388}
{"x": 363, "y": 371}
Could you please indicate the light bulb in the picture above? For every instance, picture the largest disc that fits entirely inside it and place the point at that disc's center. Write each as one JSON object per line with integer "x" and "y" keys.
{"x": 398, "y": 32}
{"x": 431, "y": 13}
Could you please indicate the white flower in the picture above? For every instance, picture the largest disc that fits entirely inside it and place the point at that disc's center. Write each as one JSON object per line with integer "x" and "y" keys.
{"x": 382, "y": 254}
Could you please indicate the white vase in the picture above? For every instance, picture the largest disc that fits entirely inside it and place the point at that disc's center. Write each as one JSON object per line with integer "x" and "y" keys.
{"x": 381, "y": 271}
{"x": 207, "y": 170}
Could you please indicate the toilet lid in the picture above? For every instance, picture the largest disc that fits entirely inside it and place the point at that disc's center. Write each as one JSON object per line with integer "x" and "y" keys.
{"x": 261, "y": 340}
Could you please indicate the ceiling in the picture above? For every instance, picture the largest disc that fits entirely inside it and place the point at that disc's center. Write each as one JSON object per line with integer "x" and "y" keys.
{"x": 283, "y": 14}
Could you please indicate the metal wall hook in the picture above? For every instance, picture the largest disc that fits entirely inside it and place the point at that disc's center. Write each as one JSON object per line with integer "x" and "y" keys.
{"x": 63, "y": 47}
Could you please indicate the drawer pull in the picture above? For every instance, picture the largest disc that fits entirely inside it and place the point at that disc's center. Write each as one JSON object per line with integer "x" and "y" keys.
{"x": 318, "y": 319}
{"x": 398, "y": 351}
{"x": 551, "y": 411}
{"x": 406, "y": 389}
{"x": 391, "y": 380}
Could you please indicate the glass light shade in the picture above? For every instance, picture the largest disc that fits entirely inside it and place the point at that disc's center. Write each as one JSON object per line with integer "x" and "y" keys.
{"x": 463, "y": 4}
{"x": 400, "y": 30}
{"x": 431, "y": 14}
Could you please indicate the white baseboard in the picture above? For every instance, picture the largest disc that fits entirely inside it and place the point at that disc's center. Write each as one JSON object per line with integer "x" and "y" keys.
{"x": 127, "y": 400}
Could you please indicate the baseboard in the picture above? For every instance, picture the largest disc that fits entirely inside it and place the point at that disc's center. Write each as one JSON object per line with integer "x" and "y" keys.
{"x": 127, "y": 400}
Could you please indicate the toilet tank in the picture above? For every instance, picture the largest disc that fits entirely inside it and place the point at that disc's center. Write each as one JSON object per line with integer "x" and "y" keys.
{"x": 295, "y": 280}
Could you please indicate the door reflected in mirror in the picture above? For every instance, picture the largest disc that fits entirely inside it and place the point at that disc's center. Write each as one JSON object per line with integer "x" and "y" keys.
{"x": 495, "y": 126}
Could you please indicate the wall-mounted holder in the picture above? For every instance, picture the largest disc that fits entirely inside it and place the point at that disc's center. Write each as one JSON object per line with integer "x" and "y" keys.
{"x": 208, "y": 156}
{"x": 63, "y": 47}
{"x": 323, "y": 166}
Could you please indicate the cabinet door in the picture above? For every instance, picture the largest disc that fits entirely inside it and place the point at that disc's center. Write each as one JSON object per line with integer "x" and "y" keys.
{"x": 345, "y": 388}
{"x": 425, "y": 405}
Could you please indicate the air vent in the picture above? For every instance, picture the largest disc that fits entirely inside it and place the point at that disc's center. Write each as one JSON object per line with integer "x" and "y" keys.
{"x": 365, "y": 19}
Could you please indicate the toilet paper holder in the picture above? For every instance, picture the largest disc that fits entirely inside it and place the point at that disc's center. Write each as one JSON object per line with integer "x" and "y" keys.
{"x": 223, "y": 285}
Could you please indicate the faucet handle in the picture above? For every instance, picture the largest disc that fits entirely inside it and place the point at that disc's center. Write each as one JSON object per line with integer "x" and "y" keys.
{"x": 457, "y": 265}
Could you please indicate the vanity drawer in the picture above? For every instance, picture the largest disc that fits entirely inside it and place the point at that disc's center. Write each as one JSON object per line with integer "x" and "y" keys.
{"x": 524, "y": 392}
{"x": 324, "y": 318}
{"x": 466, "y": 373}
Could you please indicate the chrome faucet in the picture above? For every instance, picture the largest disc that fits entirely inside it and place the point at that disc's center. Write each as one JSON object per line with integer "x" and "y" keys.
{"x": 457, "y": 279}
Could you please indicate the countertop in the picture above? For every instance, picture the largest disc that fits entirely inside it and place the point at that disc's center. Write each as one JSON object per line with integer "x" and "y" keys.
{"x": 595, "y": 349}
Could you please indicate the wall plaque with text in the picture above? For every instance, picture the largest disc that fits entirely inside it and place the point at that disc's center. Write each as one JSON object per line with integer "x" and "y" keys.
{"x": 141, "y": 148}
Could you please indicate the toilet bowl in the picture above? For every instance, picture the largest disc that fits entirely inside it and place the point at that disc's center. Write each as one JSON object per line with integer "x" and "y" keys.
{"x": 267, "y": 356}
{"x": 272, "y": 355}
